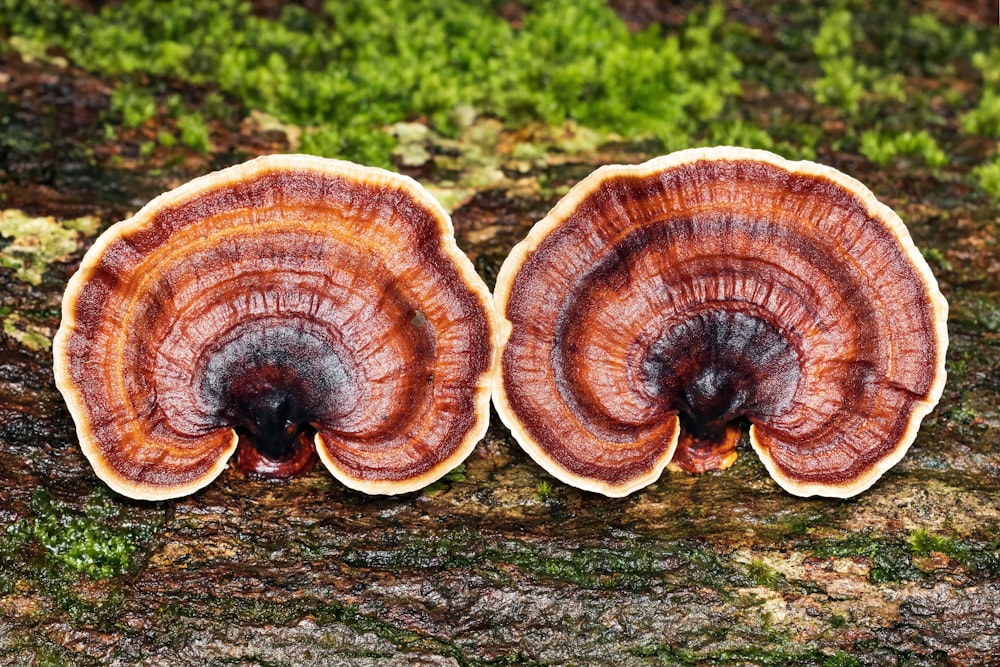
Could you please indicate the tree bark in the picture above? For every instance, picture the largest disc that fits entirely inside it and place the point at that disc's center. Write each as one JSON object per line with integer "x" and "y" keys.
{"x": 498, "y": 564}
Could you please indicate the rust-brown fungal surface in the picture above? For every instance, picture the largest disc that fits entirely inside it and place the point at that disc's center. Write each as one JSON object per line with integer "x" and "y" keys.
{"x": 658, "y": 305}
{"x": 290, "y": 306}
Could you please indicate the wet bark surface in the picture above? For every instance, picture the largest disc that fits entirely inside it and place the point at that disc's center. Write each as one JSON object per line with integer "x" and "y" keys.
{"x": 497, "y": 564}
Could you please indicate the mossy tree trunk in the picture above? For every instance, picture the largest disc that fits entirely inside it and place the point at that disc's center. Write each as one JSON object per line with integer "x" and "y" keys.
{"x": 497, "y": 564}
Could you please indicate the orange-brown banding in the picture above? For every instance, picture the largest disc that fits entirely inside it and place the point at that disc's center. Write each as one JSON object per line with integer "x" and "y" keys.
{"x": 286, "y": 293}
{"x": 712, "y": 285}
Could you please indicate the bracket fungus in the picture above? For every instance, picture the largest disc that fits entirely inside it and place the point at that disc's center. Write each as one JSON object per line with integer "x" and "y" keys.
{"x": 658, "y": 305}
{"x": 288, "y": 307}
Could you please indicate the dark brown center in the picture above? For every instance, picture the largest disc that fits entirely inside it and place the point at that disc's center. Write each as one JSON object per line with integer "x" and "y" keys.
{"x": 719, "y": 365}
{"x": 271, "y": 381}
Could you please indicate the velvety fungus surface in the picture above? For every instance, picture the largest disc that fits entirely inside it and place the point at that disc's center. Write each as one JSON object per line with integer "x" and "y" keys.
{"x": 659, "y": 305}
{"x": 287, "y": 307}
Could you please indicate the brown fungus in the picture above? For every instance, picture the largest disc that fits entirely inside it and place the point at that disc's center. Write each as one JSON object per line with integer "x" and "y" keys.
{"x": 284, "y": 308}
{"x": 658, "y": 305}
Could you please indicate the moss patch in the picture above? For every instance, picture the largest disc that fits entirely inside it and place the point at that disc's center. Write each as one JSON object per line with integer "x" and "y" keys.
{"x": 32, "y": 243}
{"x": 27, "y": 334}
{"x": 890, "y": 558}
{"x": 352, "y": 79}
{"x": 633, "y": 564}
{"x": 981, "y": 560}
{"x": 776, "y": 656}
{"x": 987, "y": 176}
{"x": 762, "y": 574}
{"x": 58, "y": 550}
{"x": 984, "y": 119}
{"x": 352, "y": 69}
{"x": 896, "y": 560}
{"x": 887, "y": 149}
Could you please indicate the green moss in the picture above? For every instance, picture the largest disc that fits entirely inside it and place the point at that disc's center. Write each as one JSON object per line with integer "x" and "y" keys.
{"x": 57, "y": 547}
{"x": 981, "y": 560}
{"x": 39, "y": 650}
{"x": 88, "y": 610}
{"x": 454, "y": 476}
{"x": 543, "y": 492}
{"x": 14, "y": 538}
{"x": 799, "y": 519}
{"x": 890, "y": 559}
{"x": 886, "y": 149}
{"x": 873, "y": 65}
{"x": 984, "y": 119}
{"x": 847, "y": 82}
{"x": 27, "y": 334}
{"x": 357, "y": 67}
{"x": 32, "y": 50}
{"x": 133, "y": 104}
{"x": 244, "y": 612}
{"x": 977, "y": 312}
{"x": 146, "y": 149}
{"x": 194, "y": 132}
{"x": 166, "y": 139}
{"x": 340, "y": 77}
{"x": 215, "y": 106}
{"x": 926, "y": 44}
{"x": 923, "y": 543}
{"x": 663, "y": 654}
{"x": 968, "y": 418}
{"x": 935, "y": 256}
{"x": 762, "y": 574}
{"x": 36, "y": 242}
{"x": 633, "y": 564}
{"x": 742, "y": 133}
{"x": 844, "y": 82}
{"x": 961, "y": 414}
{"x": 988, "y": 178}
{"x": 957, "y": 366}
{"x": 101, "y": 543}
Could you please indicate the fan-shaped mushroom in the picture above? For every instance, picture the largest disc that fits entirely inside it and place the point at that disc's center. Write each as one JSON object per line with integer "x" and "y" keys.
{"x": 657, "y": 304}
{"x": 277, "y": 303}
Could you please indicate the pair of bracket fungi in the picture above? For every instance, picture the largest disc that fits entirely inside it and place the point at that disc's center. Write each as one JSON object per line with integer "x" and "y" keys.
{"x": 295, "y": 306}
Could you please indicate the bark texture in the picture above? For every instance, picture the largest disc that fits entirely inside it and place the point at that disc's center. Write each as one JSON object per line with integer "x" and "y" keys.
{"x": 498, "y": 564}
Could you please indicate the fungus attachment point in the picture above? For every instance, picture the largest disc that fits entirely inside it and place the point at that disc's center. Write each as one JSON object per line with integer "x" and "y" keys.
{"x": 267, "y": 410}
{"x": 697, "y": 454}
{"x": 290, "y": 308}
{"x": 658, "y": 307}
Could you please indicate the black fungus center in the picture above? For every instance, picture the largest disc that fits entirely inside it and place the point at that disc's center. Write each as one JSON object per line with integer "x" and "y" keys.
{"x": 720, "y": 365}
{"x": 272, "y": 382}
{"x": 267, "y": 406}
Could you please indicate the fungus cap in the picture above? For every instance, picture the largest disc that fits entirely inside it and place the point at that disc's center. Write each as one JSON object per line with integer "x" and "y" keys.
{"x": 289, "y": 306}
{"x": 657, "y": 305}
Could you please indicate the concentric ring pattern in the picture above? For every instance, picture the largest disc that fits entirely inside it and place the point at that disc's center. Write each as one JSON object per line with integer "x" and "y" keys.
{"x": 288, "y": 292}
{"x": 657, "y": 305}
